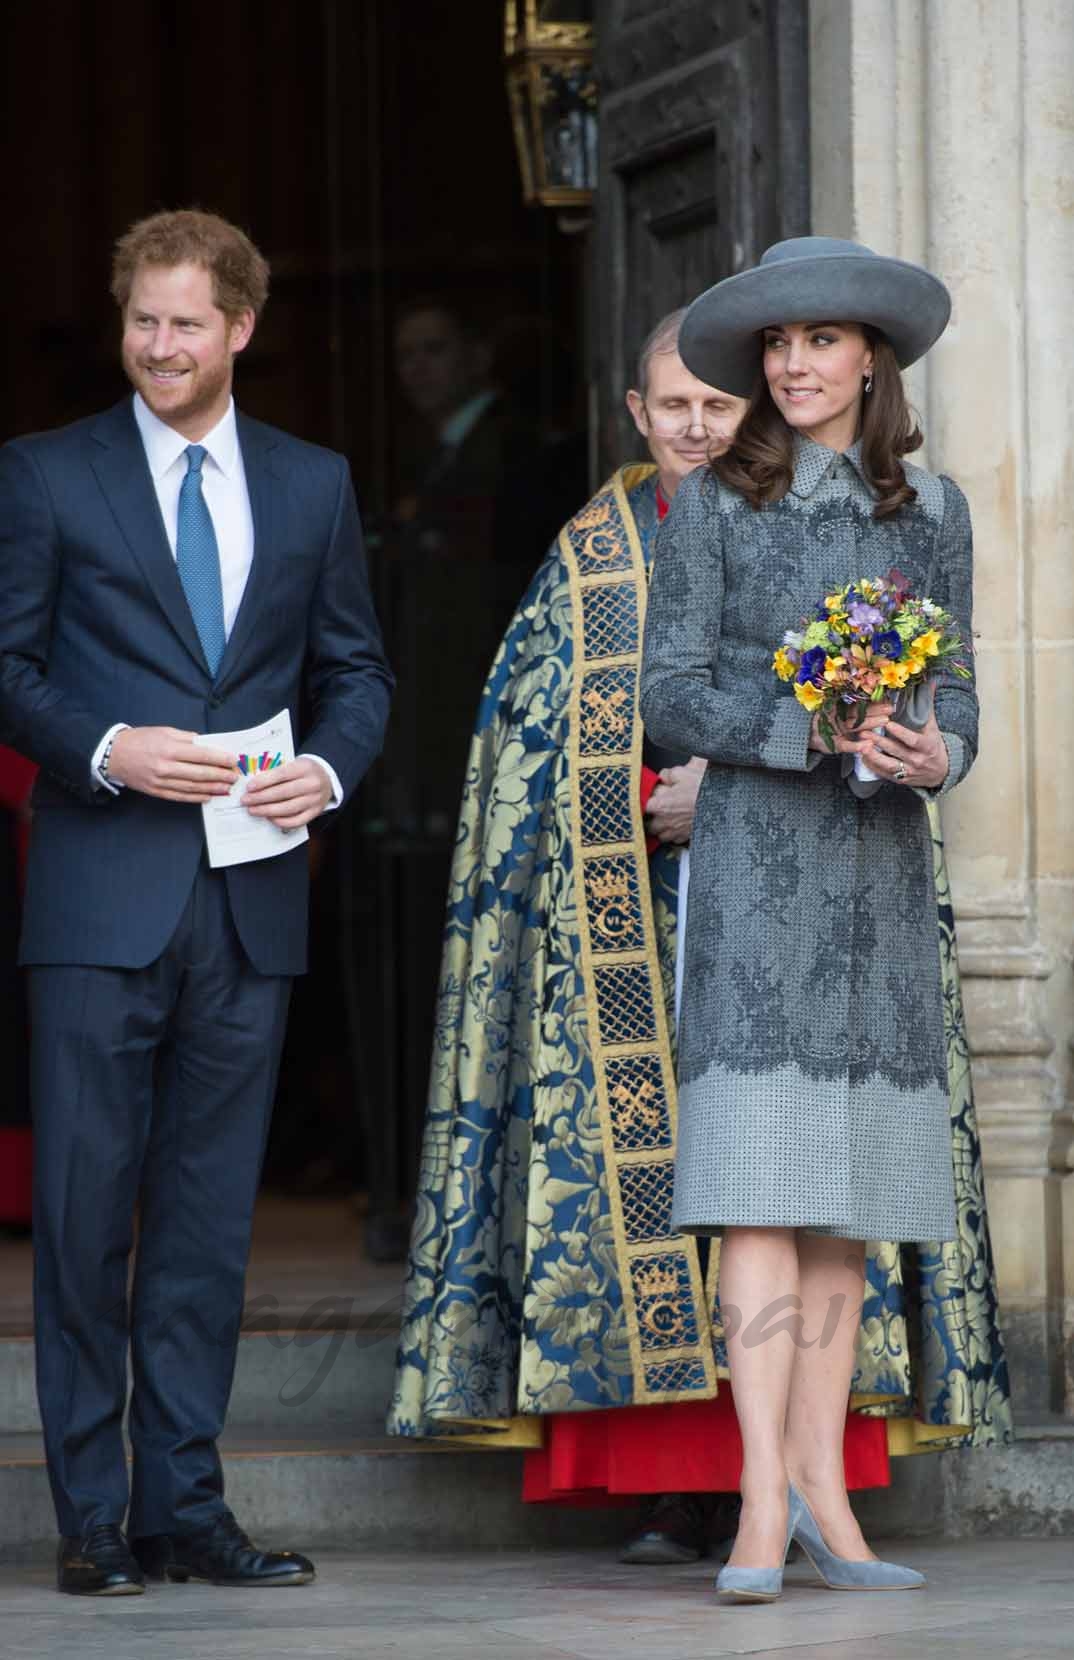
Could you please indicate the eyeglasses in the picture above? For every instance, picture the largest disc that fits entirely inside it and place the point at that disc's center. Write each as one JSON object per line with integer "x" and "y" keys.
{"x": 677, "y": 425}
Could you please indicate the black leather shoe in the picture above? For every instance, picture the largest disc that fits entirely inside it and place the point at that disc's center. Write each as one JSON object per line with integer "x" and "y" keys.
{"x": 221, "y": 1555}
{"x": 674, "y": 1528}
{"x": 99, "y": 1564}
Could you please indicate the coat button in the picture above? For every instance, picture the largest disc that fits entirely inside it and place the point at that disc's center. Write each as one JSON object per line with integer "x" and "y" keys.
{"x": 215, "y": 701}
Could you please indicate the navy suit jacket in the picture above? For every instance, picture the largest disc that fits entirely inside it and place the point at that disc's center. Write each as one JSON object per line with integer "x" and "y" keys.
{"x": 95, "y": 629}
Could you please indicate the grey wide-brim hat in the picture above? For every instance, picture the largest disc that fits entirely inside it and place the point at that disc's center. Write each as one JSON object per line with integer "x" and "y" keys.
{"x": 810, "y": 279}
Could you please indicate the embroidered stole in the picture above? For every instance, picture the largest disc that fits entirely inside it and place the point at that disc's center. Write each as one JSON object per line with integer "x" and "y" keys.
{"x": 667, "y": 1323}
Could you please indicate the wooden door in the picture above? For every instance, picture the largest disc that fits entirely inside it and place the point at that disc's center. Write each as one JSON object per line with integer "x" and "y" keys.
{"x": 704, "y": 162}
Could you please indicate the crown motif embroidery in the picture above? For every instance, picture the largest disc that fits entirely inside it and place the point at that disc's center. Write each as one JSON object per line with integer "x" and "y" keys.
{"x": 597, "y": 513}
{"x": 611, "y": 885}
{"x": 653, "y": 1279}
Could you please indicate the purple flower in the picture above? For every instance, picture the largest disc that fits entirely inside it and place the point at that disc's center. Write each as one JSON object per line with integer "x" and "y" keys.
{"x": 864, "y": 618}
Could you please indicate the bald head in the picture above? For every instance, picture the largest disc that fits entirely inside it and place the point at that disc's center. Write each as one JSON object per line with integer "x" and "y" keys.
{"x": 684, "y": 422}
{"x": 664, "y": 338}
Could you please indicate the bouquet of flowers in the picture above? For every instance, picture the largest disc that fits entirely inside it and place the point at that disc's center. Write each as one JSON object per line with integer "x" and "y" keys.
{"x": 871, "y": 640}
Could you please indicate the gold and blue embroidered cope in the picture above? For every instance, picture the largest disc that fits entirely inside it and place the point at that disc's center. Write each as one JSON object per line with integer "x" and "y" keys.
{"x": 542, "y": 1277}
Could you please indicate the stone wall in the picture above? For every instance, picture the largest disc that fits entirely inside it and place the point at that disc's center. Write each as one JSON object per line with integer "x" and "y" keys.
{"x": 943, "y": 131}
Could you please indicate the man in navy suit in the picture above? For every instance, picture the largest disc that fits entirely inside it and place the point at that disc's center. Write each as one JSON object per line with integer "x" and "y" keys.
{"x": 168, "y": 568}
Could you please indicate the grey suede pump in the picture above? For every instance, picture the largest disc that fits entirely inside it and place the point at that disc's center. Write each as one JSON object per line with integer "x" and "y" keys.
{"x": 838, "y": 1572}
{"x": 758, "y": 1584}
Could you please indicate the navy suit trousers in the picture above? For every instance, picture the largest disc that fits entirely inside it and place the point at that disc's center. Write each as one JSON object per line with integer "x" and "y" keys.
{"x": 153, "y": 1090}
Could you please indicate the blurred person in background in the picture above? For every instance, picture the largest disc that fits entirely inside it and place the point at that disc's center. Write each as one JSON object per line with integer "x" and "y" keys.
{"x": 466, "y": 437}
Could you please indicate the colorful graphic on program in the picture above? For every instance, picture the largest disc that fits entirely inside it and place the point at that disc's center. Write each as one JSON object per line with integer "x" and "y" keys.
{"x": 252, "y": 764}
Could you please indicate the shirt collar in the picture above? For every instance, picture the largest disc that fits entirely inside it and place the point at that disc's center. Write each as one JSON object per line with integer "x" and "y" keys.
{"x": 813, "y": 462}
{"x": 164, "y": 446}
{"x": 461, "y": 424}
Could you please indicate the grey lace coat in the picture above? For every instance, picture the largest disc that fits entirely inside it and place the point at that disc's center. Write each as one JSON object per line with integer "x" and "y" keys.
{"x": 812, "y": 1071}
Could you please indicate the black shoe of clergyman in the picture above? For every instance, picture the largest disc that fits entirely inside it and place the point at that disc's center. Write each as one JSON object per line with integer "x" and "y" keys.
{"x": 674, "y": 1528}
{"x": 99, "y": 1564}
{"x": 222, "y": 1555}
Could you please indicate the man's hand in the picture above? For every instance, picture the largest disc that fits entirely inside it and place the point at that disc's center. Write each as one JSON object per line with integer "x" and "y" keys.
{"x": 167, "y": 763}
{"x": 670, "y": 812}
{"x": 290, "y": 796}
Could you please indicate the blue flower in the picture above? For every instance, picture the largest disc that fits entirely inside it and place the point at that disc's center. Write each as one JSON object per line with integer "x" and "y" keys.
{"x": 812, "y": 665}
{"x": 887, "y": 644}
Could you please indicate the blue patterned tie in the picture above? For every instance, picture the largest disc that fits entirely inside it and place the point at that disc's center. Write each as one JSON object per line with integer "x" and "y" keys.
{"x": 198, "y": 559}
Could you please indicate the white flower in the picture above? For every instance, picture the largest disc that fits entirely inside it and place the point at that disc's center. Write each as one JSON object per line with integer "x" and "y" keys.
{"x": 793, "y": 639}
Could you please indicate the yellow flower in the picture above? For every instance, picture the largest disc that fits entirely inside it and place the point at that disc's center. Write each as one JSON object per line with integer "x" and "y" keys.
{"x": 783, "y": 665}
{"x": 832, "y": 601}
{"x": 811, "y": 697}
{"x": 832, "y": 666}
{"x": 894, "y": 674}
{"x": 928, "y": 643}
{"x": 915, "y": 664}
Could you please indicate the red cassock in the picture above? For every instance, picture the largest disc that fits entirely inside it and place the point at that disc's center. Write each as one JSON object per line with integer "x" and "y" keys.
{"x": 689, "y": 1447}
{"x": 16, "y": 782}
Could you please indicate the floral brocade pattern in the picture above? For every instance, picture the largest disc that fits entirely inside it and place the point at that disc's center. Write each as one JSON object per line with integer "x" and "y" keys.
{"x": 513, "y": 1301}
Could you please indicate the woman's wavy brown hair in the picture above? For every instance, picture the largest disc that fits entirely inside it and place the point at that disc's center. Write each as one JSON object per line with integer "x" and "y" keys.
{"x": 760, "y": 462}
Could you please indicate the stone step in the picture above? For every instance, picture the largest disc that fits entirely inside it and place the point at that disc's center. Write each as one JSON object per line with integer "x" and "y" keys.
{"x": 1025, "y": 1490}
{"x": 375, "y": 1493}
{"x": 379, "y": 1493}
{"x": 289, "y": 1383}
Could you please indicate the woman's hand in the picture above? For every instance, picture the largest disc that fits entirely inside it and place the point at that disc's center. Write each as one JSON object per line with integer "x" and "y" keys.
{"x": 849, "y": 739}
{"x": 918, "y": 759}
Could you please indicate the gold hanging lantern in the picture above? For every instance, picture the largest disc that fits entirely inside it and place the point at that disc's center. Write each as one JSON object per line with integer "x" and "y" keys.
{"x": 548, "y": 48}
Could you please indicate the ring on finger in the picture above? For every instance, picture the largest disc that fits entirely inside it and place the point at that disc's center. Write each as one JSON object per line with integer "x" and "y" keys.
{"x": 900, "y": 773}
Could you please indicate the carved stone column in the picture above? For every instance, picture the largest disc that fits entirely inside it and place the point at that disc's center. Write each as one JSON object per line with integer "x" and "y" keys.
{"x": 942, "y": 133}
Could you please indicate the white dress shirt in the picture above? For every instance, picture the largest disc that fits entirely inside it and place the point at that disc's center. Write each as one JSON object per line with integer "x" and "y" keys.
{"x": 223, "y": 484}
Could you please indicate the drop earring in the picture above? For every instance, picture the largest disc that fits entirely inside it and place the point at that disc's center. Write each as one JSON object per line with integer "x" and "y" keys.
{"x": 869, "y": 382}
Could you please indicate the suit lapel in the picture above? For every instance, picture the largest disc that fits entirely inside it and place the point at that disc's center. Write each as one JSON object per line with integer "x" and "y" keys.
{"x": 258, "y": 445}
{"x": 123, "y": 474}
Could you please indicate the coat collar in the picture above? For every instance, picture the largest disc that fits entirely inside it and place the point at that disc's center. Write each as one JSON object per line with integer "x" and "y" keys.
{"x": 814, "y": 462}
{"x": 258, "y": 444}
{"x": 122, "y": 468}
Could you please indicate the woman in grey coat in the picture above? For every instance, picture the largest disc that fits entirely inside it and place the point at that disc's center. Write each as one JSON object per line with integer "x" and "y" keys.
{"x": 813, "y": 1089}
